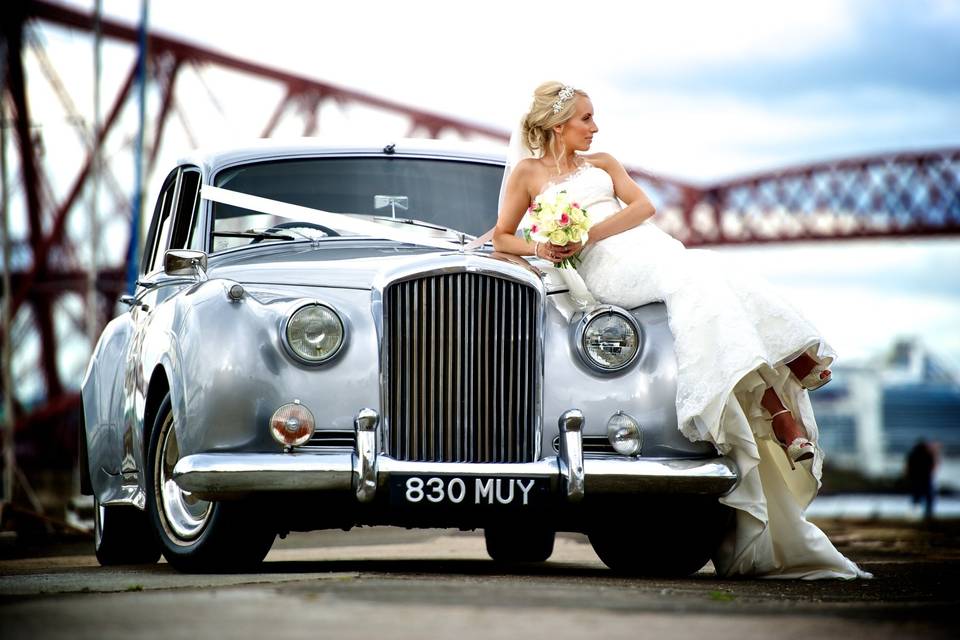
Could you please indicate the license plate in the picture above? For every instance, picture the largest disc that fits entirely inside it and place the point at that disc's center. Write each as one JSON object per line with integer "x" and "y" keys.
{"x": 468, "y": 491}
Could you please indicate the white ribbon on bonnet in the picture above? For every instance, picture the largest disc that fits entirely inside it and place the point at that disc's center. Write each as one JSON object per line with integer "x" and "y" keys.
{"x": 580, "y": 296}
{"x": 317, "y": 216}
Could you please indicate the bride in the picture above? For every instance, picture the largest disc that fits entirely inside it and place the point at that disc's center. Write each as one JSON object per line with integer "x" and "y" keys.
{"x": 745, "y": 356}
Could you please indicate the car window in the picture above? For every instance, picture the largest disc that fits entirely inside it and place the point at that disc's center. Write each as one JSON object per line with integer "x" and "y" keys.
{"x": 159, "y": 225}
{"x": 454, "y": 194}
{"x": 163, "y": 234}
{"x": 186, "y": 209}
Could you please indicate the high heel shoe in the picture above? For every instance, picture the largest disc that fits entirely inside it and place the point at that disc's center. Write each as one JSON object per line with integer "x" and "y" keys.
{"x": 800, "y": 450}
{"x": 812, "y": 380}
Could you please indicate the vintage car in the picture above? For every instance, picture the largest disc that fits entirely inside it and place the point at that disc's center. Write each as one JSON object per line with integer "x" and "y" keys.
{"x": 317, "y": 341}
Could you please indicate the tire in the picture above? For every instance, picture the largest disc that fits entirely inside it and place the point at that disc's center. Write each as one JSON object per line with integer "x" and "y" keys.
{"x": 197, "y": 536}
{"x": 122, "y": 535}
{"x": 516, "y": 545}
{"x": 680, "y": 543}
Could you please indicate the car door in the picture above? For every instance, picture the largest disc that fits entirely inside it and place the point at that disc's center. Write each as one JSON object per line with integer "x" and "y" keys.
{"x": 149, "y": 284}
{"x": 176, "y": 211}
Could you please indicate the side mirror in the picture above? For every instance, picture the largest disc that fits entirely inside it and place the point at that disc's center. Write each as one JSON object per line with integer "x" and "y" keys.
{"x": 131, "y": 301}
{"x": 185, "y": 262}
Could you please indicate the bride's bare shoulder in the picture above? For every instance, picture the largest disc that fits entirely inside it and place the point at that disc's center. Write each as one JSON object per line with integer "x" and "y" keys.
{"x": 528, "y": 167}
{"x": 601, "y": 159}
{"x": 529, "y": 172}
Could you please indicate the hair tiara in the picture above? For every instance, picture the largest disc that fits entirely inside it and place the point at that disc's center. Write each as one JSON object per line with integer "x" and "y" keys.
{"x": 565, "y": 94}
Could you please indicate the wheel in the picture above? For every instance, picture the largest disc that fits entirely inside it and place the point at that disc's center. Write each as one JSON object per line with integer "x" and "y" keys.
{"x": 515, "y": 544}
{"x": 666, "y": 542}
{"x": 197, "y": 535}
{"x": 122, "y": 535}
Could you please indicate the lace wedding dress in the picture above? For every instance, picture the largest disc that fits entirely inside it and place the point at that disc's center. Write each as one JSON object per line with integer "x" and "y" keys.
{"x": 733, "y": 335}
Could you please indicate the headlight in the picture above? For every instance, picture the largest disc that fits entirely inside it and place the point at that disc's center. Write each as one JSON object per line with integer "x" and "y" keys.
{"x": 624, "y": 434}
{"x": 314, "y": 333}
{"x": 608, "y": 338}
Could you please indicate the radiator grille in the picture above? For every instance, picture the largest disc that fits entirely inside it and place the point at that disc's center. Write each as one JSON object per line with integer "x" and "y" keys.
{"x": 462, "y": 377}
{"x": 333, "y": 439}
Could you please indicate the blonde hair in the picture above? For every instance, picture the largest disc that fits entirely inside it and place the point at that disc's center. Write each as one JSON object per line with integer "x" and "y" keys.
{"x": 541, "y": 118}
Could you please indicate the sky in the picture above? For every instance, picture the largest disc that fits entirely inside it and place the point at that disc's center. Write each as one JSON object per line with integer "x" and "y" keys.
{"x": 700, "y": 91}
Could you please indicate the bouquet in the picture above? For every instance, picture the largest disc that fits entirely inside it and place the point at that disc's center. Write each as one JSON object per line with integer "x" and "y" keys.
{"x": 558, "y": 221}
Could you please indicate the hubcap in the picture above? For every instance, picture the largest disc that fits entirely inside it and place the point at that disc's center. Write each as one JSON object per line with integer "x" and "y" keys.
{"x": 184, "y": 514}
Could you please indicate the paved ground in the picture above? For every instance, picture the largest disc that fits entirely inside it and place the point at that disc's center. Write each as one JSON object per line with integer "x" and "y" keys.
{"x": 396, "y": 584}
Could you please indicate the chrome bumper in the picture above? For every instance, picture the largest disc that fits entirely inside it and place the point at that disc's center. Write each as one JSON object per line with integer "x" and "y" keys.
{"x": 215, "y": 476}
{"x": 363, "y": 472}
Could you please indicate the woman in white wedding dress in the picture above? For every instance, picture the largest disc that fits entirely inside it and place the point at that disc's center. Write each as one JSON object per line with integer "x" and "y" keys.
{"x": 745, "y": 356}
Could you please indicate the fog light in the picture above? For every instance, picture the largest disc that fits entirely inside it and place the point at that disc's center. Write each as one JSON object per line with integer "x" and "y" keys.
{"x": 292, "y": 424}
{"x": 624, "y": 434}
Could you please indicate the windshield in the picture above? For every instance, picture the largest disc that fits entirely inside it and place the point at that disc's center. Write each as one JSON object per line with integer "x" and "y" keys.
{"x": 454, "y": 194}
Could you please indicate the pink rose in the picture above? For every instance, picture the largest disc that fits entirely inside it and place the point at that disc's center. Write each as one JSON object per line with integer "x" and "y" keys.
{"x": 564, "y": 219}
{"x": 534, "y": 229}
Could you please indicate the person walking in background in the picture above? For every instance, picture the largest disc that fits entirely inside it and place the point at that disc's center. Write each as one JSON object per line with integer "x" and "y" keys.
{"x": 921, "y": 463}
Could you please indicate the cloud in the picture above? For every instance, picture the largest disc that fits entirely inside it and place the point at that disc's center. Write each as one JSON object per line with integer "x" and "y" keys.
{"x": 854, "y": 78}
{"x": 897, "y": 48}
{"x": 902, "y": 266}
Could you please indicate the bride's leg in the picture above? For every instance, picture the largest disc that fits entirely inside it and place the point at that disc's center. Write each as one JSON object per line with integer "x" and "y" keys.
{"x": 785, "y": 427}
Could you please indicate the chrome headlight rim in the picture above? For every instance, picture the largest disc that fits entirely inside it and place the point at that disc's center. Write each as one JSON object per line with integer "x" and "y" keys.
{"x": 296, "y": 308}
{"x": 585, "y": 321}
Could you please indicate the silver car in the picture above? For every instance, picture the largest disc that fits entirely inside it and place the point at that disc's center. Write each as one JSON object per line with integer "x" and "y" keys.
{"x": 316, "y": 342}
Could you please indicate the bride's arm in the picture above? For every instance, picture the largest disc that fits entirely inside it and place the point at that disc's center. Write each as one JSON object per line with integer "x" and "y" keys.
{"x": 638, "y": 209}
{"x": 516, "y": 199}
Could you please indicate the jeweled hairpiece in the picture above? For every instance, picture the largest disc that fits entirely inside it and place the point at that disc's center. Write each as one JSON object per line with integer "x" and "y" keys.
{"x": 565, "y": 94}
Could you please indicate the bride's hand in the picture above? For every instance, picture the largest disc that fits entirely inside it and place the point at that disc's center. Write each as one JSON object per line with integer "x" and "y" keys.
{"x": 556, "y": 253}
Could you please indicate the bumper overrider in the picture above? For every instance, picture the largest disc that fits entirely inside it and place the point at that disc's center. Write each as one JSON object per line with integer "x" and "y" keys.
{"x": 214, "y": 476}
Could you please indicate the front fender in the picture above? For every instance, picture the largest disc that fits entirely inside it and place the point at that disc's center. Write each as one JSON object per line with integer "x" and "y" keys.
{"x": 102, "y": 398}
{"x": 233, "y": 372}
{"x": 646, "y": 390}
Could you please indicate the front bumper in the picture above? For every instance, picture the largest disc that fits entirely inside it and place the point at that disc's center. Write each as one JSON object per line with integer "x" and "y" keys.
{"x": 214, "y": 476}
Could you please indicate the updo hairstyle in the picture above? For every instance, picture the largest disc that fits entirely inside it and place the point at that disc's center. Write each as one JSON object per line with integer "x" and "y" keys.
{"x": 540, "y": 120}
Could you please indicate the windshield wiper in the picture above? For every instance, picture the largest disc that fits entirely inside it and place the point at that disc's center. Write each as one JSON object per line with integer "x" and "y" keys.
{"x": 262, "y": 234}
{"x": 419, "y": 223}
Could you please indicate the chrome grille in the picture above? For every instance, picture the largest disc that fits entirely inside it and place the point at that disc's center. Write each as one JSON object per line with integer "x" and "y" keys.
{"x": 462, "y": 369}
{"x": 333, "y": 439}
{"x": 591, "y": 444}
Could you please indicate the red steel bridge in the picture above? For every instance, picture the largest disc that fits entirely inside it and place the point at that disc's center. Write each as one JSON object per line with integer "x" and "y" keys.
{"x": 902, "y": 194}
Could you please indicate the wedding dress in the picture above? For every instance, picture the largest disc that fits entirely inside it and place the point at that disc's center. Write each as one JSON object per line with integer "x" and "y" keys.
{"x": 733, "y": 335}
